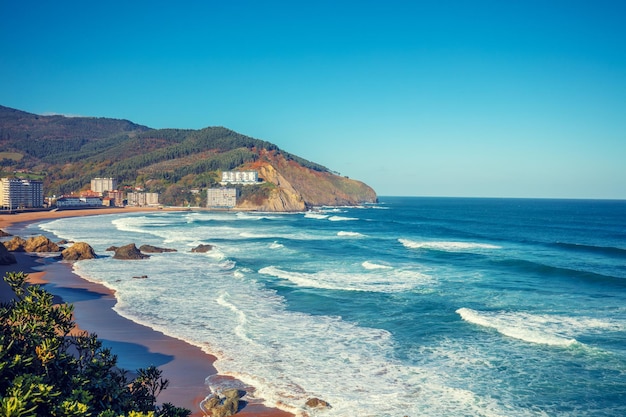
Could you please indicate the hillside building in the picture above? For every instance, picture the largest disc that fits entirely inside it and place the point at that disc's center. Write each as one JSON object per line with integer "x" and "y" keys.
{"x": 102, "y": 185}
{"x": 18, "y": 193}
{"x": 222, "y": 197}
{"x": 240, "y": 177}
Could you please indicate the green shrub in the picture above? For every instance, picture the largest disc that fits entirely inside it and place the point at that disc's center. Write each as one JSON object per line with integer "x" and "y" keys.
{"x": 45, "y": 370}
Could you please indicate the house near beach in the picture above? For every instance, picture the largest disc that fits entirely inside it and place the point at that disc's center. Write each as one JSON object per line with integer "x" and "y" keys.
{"x": 222, "y": 197}
{"x": 142, "y": 199}
{"x": 67, "y": 202}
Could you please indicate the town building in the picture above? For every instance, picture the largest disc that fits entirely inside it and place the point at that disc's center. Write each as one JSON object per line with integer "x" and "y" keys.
{"x": 67, "y": 202}
{"x": 240, "y": 177}
{"x": 18, "y": 193}
{"x": 142, "y": 199}
{"x": 102, "y": 185}
{"x": 117, "y": 198}
{"x": 222, "y": 197}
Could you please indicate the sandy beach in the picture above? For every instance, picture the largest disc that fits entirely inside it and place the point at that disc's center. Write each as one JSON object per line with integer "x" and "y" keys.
{"x": 137, "y": 346}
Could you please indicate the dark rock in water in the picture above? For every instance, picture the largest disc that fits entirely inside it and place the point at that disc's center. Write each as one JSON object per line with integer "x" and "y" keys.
{"x": 141, "y": 277}
{"x": 111, "y": 249}
{"x": 78, "y": 251}
{"x": 64, "y": 242}
{"x": 15, "y": 245}
{"x": 202, "y": 248}
{"x": 4, "y": 234}
{"x": 129, "y": 252}
{"x": 316, "y": 403}
{"x": 223, "y": 405}
{"x": 6, "y": 258}
{"x": 154, "y": 249}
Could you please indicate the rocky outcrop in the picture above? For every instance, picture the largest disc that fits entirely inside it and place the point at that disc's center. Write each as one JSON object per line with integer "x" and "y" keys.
{"x": 224, "y": 404}
{"x": 129, "y": 252}
{"x": 40, "y": 244}
{"x": 202, "y": 248}
{"x": 6, "y": 258}
{"x": 154, "y": 249}
{"x": 32, "y": 244}
{"x": 15, "y": 245}
{"x": 78, "y": 251}
{"x": 4, "y": 234}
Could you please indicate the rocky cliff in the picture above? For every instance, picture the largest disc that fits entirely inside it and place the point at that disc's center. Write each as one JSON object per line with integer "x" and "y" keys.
{"x": 294, "y": 187}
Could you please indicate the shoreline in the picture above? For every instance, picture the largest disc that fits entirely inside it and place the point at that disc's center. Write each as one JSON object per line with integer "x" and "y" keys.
{"x": 186, "y": 366}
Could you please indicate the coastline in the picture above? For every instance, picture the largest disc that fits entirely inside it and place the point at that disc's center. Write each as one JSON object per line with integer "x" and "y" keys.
{"x": 137, "y": 346}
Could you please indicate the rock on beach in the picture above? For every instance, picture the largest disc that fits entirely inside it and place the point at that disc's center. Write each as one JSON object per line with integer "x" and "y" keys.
{"x": 78, "y": 251}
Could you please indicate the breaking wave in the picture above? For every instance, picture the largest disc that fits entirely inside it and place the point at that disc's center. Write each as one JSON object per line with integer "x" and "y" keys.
{"x": 446, "y": 246}
{"x": 544, "y": 329}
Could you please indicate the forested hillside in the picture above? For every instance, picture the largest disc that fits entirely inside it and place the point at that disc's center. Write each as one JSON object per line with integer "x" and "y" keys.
{"x": 67, "y": 152}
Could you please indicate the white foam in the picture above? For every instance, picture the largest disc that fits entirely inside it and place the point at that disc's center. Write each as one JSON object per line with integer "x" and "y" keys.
{"x": 317, "y": 216}
{"x": 276, "y": 245}
{"x": 341, "y": 219}
{"x": 372, "y": 265}
{"x": 447, "y": 246}
{"x": 540, "y": 329}
{"x": 395, "y": 281}
{"x": 350, "y": 234}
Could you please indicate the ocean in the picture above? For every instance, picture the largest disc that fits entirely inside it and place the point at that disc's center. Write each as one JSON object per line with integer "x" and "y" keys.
{"x": 408, "y": 307}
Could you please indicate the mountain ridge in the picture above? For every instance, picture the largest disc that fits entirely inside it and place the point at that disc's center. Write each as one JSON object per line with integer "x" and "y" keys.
{"x": 66, "y": 152}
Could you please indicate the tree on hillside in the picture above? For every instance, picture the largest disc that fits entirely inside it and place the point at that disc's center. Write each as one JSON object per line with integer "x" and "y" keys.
{"x": 45, "y": 369}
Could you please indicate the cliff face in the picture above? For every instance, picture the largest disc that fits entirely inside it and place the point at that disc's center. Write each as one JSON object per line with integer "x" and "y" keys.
{"x": 298, "y": 188}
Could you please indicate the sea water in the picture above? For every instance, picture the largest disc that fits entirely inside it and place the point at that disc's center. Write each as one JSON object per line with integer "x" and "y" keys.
{"x": 409, "y": 307}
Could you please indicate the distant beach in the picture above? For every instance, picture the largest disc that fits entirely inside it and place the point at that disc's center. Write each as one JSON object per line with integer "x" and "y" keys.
{"x": 137, "y": 346}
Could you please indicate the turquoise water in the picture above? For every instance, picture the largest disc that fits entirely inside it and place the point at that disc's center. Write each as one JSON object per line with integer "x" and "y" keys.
{"x": 413, "y": 306}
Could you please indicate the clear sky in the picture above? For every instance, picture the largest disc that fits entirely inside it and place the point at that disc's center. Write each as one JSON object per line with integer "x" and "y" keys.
{"x": 500, "y": 98}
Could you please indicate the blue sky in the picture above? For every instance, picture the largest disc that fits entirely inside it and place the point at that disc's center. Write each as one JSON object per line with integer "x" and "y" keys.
{"x": 426, "y": 98}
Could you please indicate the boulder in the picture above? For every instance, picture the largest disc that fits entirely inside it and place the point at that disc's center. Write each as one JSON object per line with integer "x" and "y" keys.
{"x": 111, "y": 249}
{"x": 78, "y": 251}
{"x": 40, "y": 244}
{"x": 202, "y": 248}
{"x": 4, "y": 234}
{"x": 224, "y": 404}
{"x": 316, "y": 403}
{"x": 6, "y": 258}
{"x": 15, "y": 245}
{"x": 129, "y": 252}
{"x": 154, "y": 249}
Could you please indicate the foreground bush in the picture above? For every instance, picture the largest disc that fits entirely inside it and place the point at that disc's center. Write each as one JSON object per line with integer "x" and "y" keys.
{"x": 46, "y": 371}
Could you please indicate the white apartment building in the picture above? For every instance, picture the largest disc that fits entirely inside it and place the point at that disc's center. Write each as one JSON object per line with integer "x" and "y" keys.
{"x": 221, "y": 197}
{"x": 19, "y": 193}
{"x": 102, "y": 185}
{"x": 142, "y": 199}
{"x": 240, "y": 177}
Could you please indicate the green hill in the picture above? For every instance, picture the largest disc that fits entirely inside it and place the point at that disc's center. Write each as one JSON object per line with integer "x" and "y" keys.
{"x": 67, "y": 152}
